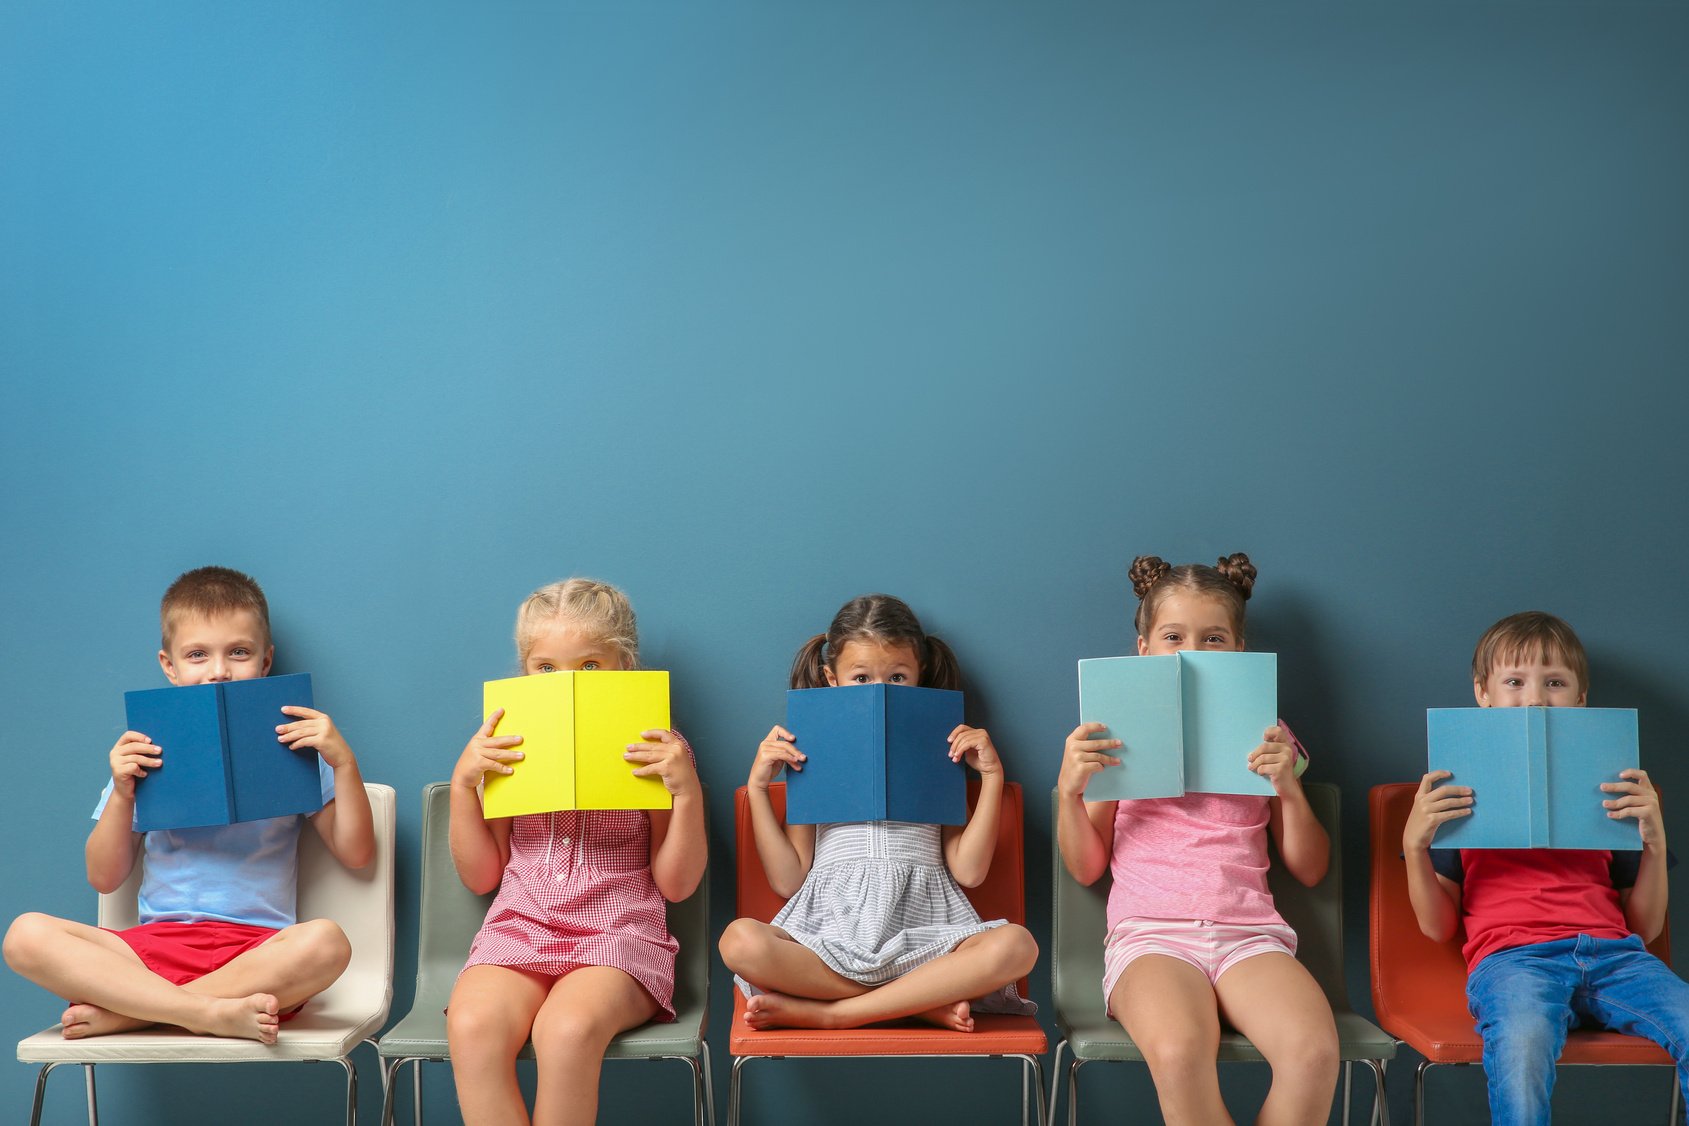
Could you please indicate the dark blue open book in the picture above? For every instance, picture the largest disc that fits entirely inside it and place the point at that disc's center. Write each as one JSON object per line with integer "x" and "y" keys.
{"x": 222, "y": 762}
{"x": 876, "y": 752}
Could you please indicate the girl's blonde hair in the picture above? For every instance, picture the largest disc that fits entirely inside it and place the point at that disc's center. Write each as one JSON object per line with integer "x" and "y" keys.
{"x": 597, "y": 608}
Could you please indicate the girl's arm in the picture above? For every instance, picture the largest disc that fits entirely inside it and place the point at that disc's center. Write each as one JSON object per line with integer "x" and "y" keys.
{"x": 1301, "y": 839}
{"x": 785, "y": 855}
{"x": 679, "y": 848}
{"x": 1644, "y": 902}
{"x": 1435, "y": 899}
{"x": 110, "y": 851}
{"x": 968, "y": 849}
{"x": 1084, "y": 830}
{"x": 480, "y": 848}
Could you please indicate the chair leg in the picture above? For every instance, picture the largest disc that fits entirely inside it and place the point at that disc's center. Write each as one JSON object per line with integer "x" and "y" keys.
{"x": 695, "y": 1063}
{"x": 93, "y": 1099}
{"x": 389, "y": 1087}
{"x": 1380, "y": 1101}
{"x": 1676, "y": 1097}
{"x": 1348, "y": 1080}
{"x": 40, "y": 1092}
{"x": 1037, "y": 1068}
{"x": 416, "y": 1093}
{"x": 1419, "y": 1092}
{"x": 1055, "y": 1078}
{"x": 1073, "y": 1091}
{"x": 734, "y": 1093}
{"x": 351, "y": 1089}
{"x": 709, "y": 1086}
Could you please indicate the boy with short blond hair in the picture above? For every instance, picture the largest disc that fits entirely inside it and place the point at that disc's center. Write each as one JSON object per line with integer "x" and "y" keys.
{"x": 218, "y": 949}
{"x": 1555, "y": 938}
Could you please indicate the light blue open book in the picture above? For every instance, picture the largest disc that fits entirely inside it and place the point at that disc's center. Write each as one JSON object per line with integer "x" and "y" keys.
{"x": 1535, "y": 774}
{"x": 1187, "y": 721}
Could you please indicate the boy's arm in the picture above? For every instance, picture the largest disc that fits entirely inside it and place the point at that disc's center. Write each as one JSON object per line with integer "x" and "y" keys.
{"x": 1644, "y": 903}
{"x": 1435, "y": 898}
{"x": 110, "y": 852}
{"x": 345, "y": 824}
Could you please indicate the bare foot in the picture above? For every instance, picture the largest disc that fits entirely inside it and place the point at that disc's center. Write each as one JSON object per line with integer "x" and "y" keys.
{"x": 81, "y": 1021}
{"x": 777, "y": 1010}
{"x": 248, "y": 1018}
{"x": 957, "y": 1018}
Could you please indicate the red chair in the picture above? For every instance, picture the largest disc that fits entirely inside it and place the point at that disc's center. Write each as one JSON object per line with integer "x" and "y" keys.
{"x": 1001, "y": 896}
{"x": 1419, "y": 986}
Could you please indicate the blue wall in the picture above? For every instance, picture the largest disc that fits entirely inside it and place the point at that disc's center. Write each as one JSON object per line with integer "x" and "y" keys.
{"x": 751, "y": 307}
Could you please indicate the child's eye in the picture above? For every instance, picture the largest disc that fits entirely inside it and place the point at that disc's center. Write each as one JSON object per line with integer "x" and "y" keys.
{"x": 1170, "y": 637}
{"x": 859, "y": 678}
{"x": 589, "y": 665}
{"x": 1215, "y": 639}
{"x": 1556, "y": 683}
{"x": 239, "y": 652}
{"x": 898, "y": 678}
{"x": 546, "y": 666}
{"x": 196, "y": 654}
{"x": 1512, "y": 682}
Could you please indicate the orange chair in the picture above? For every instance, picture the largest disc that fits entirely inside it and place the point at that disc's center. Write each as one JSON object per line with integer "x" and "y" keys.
{"x": 1419, "y": 986}
{"x": 1001, "y": 896}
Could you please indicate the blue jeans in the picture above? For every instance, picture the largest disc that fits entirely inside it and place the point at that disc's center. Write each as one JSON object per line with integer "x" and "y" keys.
{"x": 1526, "y": 999}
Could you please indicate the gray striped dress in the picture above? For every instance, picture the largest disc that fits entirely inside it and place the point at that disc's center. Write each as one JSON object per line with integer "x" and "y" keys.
{"x": 879, "y": 901}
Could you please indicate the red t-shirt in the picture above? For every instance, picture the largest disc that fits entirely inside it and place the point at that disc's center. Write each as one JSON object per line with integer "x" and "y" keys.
{"x": 1518, "y": 896}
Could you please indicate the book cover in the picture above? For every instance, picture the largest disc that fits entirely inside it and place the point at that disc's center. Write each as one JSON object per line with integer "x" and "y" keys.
{"x": 222, "y": 760}
{"x": 575, "y": 727}
{"x": 875, "y": 752}
{"x": 1186, "y": 721}
{"x": 1535, "y": 775}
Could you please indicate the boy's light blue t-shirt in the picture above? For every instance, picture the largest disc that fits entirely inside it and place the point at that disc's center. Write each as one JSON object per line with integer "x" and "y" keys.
{"x": 247, "y": 872}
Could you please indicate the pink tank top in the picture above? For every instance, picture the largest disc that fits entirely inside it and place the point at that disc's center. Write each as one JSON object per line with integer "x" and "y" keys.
{"x": 1202, "y": 856}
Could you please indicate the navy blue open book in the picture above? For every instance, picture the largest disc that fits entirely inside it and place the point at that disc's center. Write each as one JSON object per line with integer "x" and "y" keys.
{"x": 876, "y": 752}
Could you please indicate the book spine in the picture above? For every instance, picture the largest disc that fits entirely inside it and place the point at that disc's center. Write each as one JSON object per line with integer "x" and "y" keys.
{"x": 882, "y": 804}
{"x": 228, "y": 757}
{"x": 1536, "y": 752}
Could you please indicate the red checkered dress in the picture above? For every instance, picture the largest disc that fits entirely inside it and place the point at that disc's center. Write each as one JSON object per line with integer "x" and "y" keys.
{"x": 578, "y": 892}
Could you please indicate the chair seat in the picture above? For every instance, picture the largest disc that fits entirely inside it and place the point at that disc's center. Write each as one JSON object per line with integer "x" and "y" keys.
{"x": 994, "y": 1035}
{"x": 1447, "y": 1037}
{"x": 309, "y": 1036}
{"x": 422, "y": 1035}
{"x": 1102, "y": 1039}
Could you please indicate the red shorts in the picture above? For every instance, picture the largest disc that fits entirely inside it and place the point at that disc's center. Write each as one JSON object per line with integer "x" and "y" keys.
{"x": 181, "y": 952}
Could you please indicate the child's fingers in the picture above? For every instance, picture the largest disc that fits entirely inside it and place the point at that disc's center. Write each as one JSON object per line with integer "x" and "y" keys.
{"x": 301, "y": 711}
{"x": 1430, "y": 780}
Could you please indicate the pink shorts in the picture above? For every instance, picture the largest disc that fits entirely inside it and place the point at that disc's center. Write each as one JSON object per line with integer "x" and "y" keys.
{"x": 1211, "y": 947}
{"x": 181, "y": 952}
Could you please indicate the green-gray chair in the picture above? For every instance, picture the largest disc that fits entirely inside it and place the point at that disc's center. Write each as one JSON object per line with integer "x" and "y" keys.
{"x": 1316, "y": 914}
{"x": 451, "y": 915}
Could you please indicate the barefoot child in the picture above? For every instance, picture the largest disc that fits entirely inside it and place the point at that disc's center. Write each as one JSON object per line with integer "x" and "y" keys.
{"x": 875, "y": 927}
{"x": 217, "y": 950}
{"x": 1193, "y": 936}
{"x": 1554, "y": 937}
{"x": 576, "y": 947}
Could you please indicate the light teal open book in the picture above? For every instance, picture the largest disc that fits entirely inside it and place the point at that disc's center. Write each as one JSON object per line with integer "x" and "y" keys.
{"x": 1535, "y": 774}
{"x": 1187, "y": 721}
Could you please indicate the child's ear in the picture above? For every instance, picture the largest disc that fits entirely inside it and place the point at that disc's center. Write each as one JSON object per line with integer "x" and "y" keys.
{"x": 827, "y": 671}
{"x": 1143, "y": 646}
{"x": 1479, "y": 694}
{"x": 269, "y": 659}
{"x": 169, "y": 666}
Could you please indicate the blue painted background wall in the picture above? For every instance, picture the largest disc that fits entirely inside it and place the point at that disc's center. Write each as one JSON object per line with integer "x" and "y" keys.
{"x": 752, "y": 307}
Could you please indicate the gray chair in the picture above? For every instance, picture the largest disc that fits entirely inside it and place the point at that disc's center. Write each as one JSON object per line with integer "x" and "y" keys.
{"x": 1316, "y": 914}
{"x": 331, "y": 1024}
{"x": 451, "y": 915}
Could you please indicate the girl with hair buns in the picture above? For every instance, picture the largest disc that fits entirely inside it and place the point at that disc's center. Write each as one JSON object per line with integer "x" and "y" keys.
{"x": 875, "y": 927}
{"x": 1194, "y": 938}
{"x": 575, "y": 947}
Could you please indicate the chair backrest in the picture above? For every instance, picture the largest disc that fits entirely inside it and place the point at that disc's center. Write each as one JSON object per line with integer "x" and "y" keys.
{"x": 451, "y": 914}
{"x": 1315, "y": 914}
{"x": 1002, "y": 894}
{"x": 360, "y": 901}
{"x": 1407, "y": 967}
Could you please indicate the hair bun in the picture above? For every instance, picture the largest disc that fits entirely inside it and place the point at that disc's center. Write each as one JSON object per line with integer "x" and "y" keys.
{"x": 1237, "y": 570}
{"x": 1145, "y": 572}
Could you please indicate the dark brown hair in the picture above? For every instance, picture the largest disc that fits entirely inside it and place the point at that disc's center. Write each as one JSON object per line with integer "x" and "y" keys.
{"x": 209, "y": 591}
{"x": 1523, "y": 635}
{"x": 883, "y": 619}
{"x": 1230, "y": 580}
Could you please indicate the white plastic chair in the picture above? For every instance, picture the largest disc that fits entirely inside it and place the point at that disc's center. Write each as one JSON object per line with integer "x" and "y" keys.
{"x": 331, "y": 1024}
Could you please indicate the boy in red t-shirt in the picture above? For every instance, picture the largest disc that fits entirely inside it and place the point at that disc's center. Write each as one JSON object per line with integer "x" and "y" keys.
{"x": 1554, "y": 938}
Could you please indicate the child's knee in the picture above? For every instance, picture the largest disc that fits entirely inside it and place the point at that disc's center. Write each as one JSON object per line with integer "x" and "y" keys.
{"x": 1177, "y": 1049}
{"x": 1017, "y": 950}
{"x": 577, "y": 1030}
{"x": 320, "y": 947}
{"x": 743, "y": 944}
{"x": 29, "y": 935}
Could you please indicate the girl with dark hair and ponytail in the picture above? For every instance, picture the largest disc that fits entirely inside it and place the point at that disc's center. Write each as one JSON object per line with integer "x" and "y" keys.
{"x": 875, "y": 927}
{"x": 1193, "y": 936}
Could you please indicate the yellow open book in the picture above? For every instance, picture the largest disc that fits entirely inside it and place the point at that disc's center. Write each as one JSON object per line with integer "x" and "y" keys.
{"x": 575, "y": 727}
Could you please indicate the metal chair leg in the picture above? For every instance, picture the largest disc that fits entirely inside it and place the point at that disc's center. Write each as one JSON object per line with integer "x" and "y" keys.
{"x": 351, "y": 1089}
{"x": 1073, "y": 1091}
{"x": 1419, "y": 1092}
{"x": 1348, "y": 1081}
{"x": 709, "y": 1086}
{"x": 1055, "y": 1078}
{"x": 1676, "y": 1097}
{"x": 1380, "y": 1098}
{"x": 1037, "y": 1067}
{"x": 93, "y": 1099}
{"x": 734, "y": 1091}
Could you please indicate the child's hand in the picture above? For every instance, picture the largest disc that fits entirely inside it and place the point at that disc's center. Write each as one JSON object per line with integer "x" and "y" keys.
{"x": 974, "y": 745}
{"x": 777, "y": 750}
{"x": 131, "y": 757}
{"x": 486, "y": 753}
{"x": 664, "y": 754}
{"x": 1635, "y": 797}
{"x": 1275, "y": 760}
{"x": 313, "y": 729}
{"x": 1083, "y": 756}
{"x": 1432, "y": 806}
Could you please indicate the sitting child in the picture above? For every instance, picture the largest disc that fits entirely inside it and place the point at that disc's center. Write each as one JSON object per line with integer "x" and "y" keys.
{"x": 217, "y": 950}
{"x": 1554, "y": 938}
